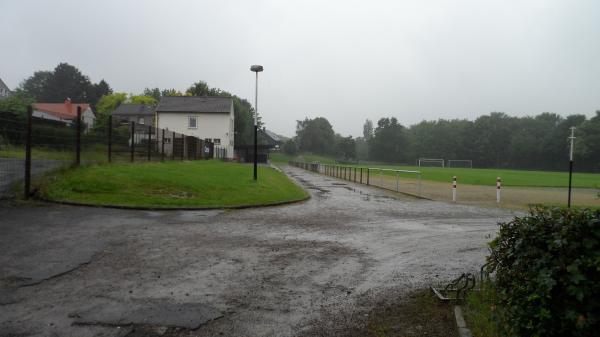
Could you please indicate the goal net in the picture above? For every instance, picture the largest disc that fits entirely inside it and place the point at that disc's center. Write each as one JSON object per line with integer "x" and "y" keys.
{"x": 425, "y": 162}
{"x": 467, "y": 163}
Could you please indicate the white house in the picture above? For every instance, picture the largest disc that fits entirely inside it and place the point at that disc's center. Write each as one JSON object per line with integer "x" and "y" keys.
{"x": 206, "y": 117}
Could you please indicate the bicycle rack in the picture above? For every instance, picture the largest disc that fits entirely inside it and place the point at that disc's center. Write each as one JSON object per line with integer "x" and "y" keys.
{"x": 457, "y": 289}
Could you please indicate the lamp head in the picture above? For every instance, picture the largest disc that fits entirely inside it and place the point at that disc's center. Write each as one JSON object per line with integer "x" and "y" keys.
{"x": 256, "y": 68}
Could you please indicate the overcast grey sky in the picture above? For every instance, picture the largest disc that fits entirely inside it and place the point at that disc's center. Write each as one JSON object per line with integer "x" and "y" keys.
{"x": 344, "y": 60}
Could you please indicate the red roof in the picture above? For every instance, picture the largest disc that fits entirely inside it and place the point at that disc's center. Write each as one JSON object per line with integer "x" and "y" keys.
{"x": 65, "y": 110}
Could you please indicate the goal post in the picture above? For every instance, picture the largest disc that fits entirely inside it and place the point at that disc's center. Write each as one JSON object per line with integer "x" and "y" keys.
{"x": 422, "y": 162}
{"x": 466, "y": 163}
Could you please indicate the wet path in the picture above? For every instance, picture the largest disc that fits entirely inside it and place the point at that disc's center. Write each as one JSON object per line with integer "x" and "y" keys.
{"x": 304, "y": 269}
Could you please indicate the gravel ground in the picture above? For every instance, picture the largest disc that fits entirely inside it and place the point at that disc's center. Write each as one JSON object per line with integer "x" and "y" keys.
{"x": 315, "y": 268}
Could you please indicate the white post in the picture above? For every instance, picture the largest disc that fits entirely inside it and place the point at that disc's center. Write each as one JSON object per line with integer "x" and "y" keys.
{"x": 454, "y": 188}
{"x": 498, "y": 186}
{"x": 381, "y": 177}
{"x": 397, "y": 181}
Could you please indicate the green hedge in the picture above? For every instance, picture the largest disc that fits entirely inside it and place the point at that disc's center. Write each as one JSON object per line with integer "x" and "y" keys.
{"x": 547, "y": 268}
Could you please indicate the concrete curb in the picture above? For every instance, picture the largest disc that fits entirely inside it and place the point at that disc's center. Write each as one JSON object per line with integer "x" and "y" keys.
{"x": 142, "y": 208}
{"x": 463, "y": 331}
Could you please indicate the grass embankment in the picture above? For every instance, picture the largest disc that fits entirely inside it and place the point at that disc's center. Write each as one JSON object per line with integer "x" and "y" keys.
{"x": 482, "y": 315}
{"x": 172, "y": 184}
{"x": 476, "y": 176}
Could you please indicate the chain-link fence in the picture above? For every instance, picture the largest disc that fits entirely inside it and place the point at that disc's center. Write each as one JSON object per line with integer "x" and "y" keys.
{"x": 32, "y": 145}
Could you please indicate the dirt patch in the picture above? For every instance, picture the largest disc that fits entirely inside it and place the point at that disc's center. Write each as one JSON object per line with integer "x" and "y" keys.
{"x": 418, "y": 314}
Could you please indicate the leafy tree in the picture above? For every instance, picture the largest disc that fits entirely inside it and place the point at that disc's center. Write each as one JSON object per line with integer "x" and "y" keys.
{"x": 65, "y": 81}
{"x": 154, "y": 92}
{"x": 368, "y": 129}
{"x": 389, "y": 143}
{"x": 315, "y": 135}
{"x": 589, "y": 152}
{"x": 142, "y": 99}
{"x": 172, "y": 92}
{"x": 200, "y": 88}
{"x": 100, "y": 89}
{"x": 35, "y": 86}
{"x": 290, "y": 147}
{"x": 346, "y": 147}
{"x": 68, "y": 81}
{"x": 15, "y": 106}
{"x": 106, "y": 105}
{"x": 489, "y": 137}
{"x": 362, "y": 149}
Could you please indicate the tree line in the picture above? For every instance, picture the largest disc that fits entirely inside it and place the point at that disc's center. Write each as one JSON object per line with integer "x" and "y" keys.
{"x": 494, "y": 140}
{"x": 67, "y": 81}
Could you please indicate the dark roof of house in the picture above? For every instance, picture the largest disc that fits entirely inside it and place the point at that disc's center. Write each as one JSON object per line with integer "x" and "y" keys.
{"x": 134, "y": 110}
{"x": 195, "y": 104}
{"x": 275, "y": 137}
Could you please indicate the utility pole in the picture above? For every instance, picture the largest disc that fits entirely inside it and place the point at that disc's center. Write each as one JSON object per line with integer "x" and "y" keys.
{"x": 572, "y": 139}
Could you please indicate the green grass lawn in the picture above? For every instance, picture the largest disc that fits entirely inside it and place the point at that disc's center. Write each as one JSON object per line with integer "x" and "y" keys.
{"x": 481, "y": 176}
{"x": 171, "y": 184}
{"x": 509, "y": 177}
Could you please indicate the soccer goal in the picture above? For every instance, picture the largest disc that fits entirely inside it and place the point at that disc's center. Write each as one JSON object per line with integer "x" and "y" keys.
{"x": 467, "y": 163}
{"x": 423, "y": 162}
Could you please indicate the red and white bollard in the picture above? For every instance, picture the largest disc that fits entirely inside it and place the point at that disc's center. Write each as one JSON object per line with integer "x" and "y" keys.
{"x": 498, "y": 186}
{"x": 454, "y": 188}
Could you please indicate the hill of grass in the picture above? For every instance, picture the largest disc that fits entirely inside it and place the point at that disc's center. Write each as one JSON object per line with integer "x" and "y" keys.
{"x": 172, "y": 184}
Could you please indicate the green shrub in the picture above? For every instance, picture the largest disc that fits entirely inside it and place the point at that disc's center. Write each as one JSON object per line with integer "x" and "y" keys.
{"x": 548, "y": 272}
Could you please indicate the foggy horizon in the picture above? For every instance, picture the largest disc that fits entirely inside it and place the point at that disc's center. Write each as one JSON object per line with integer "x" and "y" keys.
{"x": 346, "y": 61}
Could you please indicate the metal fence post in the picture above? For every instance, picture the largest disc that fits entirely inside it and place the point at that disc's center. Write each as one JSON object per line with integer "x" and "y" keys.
{"x": 162, "y": 146}
{"x": 173, "y": 145}
{"x": 132, "y": 141}
{"x": 27, "y": 177}
{"x": 368, "y": 174}
{"x": 195, "y": 147}
{"x": 182, "y": 146}
{"x": 361, "y": 175}
{"x": 110, "y": 138}
{"x": 78, "y": 138}
{"x": 149, "y": 143}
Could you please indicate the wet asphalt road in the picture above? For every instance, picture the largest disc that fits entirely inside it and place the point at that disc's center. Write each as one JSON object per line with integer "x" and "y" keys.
{"x": 308, "y": 269}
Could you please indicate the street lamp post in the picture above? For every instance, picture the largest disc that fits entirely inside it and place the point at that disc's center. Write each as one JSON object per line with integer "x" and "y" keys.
{"x": 256, "y": 69}
{"x": 572, "y": 139}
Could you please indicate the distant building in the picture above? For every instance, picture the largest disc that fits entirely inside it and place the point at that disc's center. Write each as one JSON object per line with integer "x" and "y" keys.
{"x": 206, "y": 117}
{"x": 4, "y": 91}
{"x": 64, "y": 112}
{"x": 271, "y": 138}
{"x": 139, "y": 113}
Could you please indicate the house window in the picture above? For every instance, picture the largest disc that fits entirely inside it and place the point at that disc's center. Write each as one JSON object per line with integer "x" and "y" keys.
{"x": 141, "y": 120}
{"x": 207, "y": 140}
{"x": 217, "y": 141}
{"x": 192, "y": 122}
